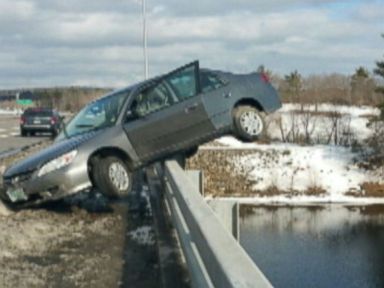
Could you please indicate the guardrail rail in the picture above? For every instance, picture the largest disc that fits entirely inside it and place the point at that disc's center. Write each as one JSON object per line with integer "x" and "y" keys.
{"x": 213, "y": 256}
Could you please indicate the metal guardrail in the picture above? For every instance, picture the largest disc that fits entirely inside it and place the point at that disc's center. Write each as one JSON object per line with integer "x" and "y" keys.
{"x": 214, "y": 258}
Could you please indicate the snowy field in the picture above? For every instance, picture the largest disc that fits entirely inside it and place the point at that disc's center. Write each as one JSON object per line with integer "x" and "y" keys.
{"x": 321, "y": 122}
{"x": 292, "y": 169}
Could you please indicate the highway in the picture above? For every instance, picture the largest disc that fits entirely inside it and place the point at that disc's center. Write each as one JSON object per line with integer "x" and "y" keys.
{"x": 10, "y": 134}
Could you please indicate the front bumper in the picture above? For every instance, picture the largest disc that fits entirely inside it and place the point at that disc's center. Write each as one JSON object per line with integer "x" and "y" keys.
{"x": 27, "y": 190}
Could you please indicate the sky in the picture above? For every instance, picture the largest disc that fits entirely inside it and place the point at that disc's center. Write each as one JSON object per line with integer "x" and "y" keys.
{"x": 47, "y": 43}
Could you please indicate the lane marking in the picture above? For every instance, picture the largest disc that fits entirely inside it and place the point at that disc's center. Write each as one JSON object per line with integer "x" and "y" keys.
{"x": 2, "y": 130}
{"x": 15, "y": 133}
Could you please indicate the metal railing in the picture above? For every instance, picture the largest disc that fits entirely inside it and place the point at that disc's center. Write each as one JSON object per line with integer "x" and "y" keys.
{"x": 213, "y": 256}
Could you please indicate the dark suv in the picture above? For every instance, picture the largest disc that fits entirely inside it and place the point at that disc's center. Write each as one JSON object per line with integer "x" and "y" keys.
{"x": 42, "y": 120}
{"x": 130, "y": 128}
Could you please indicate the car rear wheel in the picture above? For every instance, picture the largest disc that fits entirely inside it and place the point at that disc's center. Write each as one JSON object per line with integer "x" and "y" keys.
{"x": 249, "y": 123}
{"x": 112, "y": 177}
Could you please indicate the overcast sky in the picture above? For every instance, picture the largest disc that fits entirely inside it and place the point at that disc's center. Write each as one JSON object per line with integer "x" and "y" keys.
{"x": 46, "y": 43}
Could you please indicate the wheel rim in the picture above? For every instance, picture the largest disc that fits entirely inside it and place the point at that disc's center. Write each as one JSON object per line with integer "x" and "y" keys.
{"x": 251, "y": 123}
{"x": 118, "y": 176}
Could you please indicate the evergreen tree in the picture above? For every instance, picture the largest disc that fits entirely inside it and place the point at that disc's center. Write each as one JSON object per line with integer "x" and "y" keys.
{"x": 362, "y": 87}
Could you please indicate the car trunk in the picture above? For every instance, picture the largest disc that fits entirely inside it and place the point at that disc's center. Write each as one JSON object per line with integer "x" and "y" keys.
{"x": 38, "y": 118}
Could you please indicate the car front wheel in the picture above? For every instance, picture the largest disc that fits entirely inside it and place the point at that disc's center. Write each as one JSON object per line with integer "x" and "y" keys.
{"x": 249, "y": 123}
{"x": 112, "y": 177}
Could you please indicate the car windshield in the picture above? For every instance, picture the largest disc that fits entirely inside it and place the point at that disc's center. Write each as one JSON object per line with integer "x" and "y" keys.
{"x": 97, "y": 115}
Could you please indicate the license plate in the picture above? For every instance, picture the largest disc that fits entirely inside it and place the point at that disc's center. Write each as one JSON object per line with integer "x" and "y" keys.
{"x": 16, "y": 194}
{"x": 36, "y": 122}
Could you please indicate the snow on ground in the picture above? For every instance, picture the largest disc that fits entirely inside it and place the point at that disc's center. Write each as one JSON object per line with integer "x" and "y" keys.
{"x": 352, "y": 123}
{"x": 356, "y": 111}
{"x": 290, "y": 167}
{"x": 143, "y": 235}
{"x": 9, "y": 112}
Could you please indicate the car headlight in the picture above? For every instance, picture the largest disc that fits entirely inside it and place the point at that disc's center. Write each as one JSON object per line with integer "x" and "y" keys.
{"x": 57, "y": 163}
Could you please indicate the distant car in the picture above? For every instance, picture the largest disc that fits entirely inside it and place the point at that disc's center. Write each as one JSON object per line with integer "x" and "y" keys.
{"x": 43, "y": 120}
{"x": 130, "y": 128}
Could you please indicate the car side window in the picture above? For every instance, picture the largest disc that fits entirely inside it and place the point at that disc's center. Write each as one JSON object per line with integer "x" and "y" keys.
{"x": 209, "y": 81}
{"x": 183, "y": 83}
{"x": 153, "y": 99}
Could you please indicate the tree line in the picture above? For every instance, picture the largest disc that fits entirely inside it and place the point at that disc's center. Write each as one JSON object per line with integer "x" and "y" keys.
{"x": 361, "y": 88}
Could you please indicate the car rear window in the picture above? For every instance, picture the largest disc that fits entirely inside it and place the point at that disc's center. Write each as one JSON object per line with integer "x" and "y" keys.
{"x": 209, "y": 81}
{"x": 41, "y": 113}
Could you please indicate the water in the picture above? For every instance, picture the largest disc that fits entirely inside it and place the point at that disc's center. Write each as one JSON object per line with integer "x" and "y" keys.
{"x": 316, "y": 246}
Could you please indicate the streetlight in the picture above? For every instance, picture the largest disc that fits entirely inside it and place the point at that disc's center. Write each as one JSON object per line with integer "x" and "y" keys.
{"x": 145, "y": 39}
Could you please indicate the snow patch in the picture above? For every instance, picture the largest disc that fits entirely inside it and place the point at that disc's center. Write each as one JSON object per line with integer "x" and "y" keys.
{"x": 10, "y": 112}
{"x": 290, "y": 167}
{"x": 143, "y": 235}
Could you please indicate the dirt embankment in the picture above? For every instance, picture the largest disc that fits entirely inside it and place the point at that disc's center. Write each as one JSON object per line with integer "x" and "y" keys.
{"x": 220, "y": 176}
{"x": 68, "y": 246}
{"x": 41, "y": 248}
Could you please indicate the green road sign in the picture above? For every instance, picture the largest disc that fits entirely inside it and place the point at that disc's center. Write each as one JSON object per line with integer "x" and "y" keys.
{"x": 24, "y": 102}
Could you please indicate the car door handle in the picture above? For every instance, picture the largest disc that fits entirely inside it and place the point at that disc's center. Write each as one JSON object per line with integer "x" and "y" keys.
{"x": 191, "y": 107}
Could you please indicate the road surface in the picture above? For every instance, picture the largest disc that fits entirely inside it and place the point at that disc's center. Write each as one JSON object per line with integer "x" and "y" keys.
{"x": 10, "y": 134}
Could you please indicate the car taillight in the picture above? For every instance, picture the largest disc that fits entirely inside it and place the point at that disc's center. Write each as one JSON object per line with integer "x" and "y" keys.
{"x": 22, "y": 120}
{"x": 265, "y": 77}
{"x": 53, "y": 120}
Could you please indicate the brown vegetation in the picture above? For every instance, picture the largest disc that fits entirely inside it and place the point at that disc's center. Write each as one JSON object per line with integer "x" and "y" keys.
{"x": 368, "y": 189}
{"x": 220, "y": 178}
{"x": 223, "y": 179}
{"x": 357, "y": 89}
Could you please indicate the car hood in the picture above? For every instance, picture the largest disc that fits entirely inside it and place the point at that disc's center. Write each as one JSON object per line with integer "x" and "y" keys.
{"x": 57, "y": 149}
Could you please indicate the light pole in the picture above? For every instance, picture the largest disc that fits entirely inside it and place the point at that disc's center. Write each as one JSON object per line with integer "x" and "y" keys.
{"x": 144, "y": 11}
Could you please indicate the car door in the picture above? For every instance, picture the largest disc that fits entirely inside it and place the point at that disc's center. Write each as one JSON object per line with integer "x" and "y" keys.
{"x": 169, "y": 115}
{"x": 217, "y": 99}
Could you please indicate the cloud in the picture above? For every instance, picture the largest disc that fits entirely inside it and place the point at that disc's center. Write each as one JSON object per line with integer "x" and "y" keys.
{"x": 50, "y": 43}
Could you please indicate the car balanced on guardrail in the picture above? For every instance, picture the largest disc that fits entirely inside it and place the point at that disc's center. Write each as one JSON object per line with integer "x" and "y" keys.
{"x": 130, "y": 128}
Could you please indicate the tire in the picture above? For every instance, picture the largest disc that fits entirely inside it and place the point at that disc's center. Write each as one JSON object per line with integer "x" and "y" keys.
{"x": 248, "y": 123}
{"x": 112, "y": 177}
{"x": 23, "y": 133}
